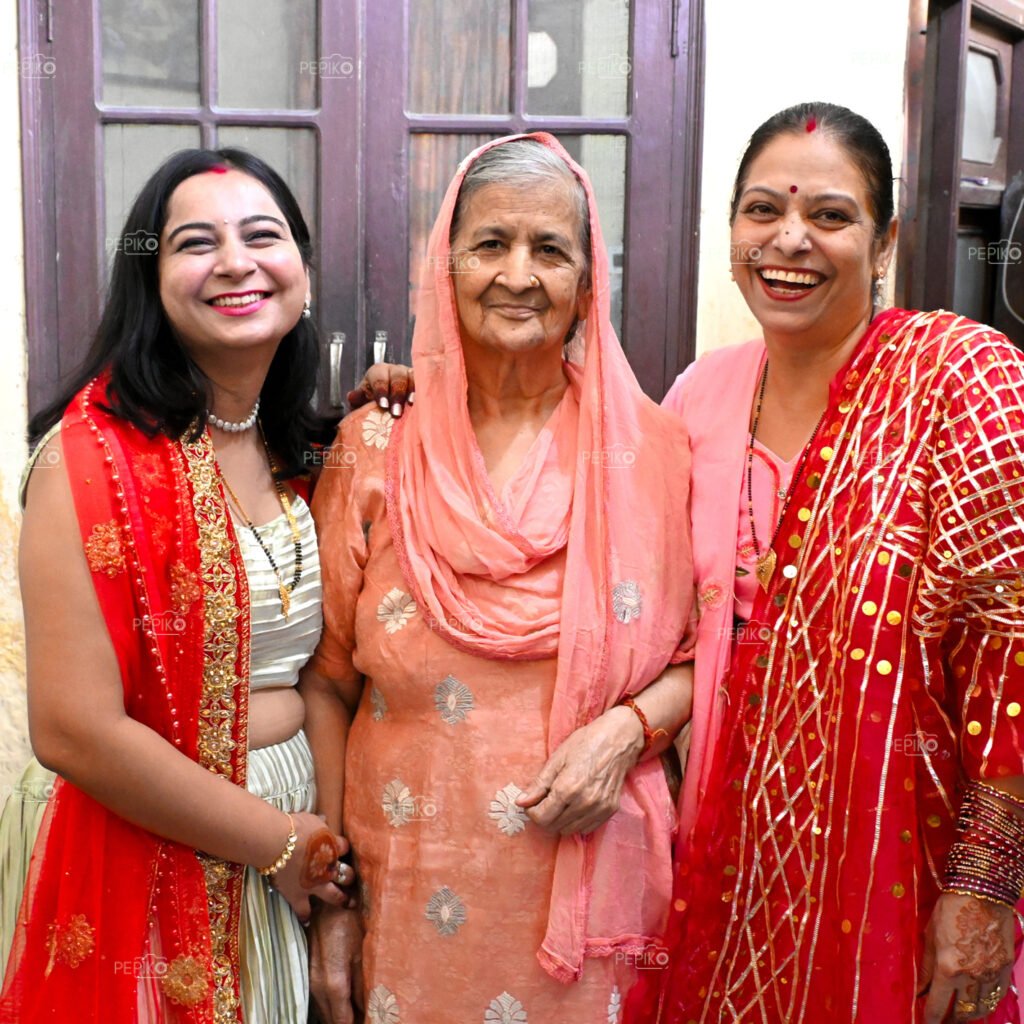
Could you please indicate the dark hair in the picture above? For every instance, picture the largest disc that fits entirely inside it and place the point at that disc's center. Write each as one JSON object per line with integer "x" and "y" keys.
{"x": 857, "y": 135}
{"x": 154, "y": 382}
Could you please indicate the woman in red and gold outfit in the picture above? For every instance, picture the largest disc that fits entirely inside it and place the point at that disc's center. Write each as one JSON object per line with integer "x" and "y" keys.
{"x": 165, "y": 630}
{"x": 850, "y": 847}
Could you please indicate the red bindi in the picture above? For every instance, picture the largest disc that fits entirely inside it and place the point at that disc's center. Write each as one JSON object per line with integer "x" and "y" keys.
{"x": 218, "y": 169}
{"x": 793, "y": 189}
{"x": 811, "y": 124}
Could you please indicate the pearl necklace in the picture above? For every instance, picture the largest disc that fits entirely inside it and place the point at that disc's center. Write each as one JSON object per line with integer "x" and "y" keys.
{"x": 235, "y": 428}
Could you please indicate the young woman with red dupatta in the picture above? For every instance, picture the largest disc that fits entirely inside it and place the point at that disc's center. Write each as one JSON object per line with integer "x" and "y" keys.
{"x": 850, "y": 846}
{"x": 165, "y": 631}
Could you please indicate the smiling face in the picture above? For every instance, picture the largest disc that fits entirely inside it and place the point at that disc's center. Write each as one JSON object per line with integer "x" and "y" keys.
{"x": 509, "y": 237}
{"x": 231, "y": 275}
{"x": 804, "y": 252}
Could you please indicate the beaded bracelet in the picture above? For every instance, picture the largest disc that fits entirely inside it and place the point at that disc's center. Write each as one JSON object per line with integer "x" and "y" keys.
{"x": 650, "y": 738}
{"x": 286, "y": 853}
{"x": 986, "y": 787}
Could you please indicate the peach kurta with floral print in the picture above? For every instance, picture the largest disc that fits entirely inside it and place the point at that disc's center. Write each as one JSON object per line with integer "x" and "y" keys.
{"x": 456, "y": 879}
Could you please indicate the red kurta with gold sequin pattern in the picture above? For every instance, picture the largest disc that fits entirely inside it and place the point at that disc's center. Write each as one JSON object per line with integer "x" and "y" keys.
{"x": 893, "y": 667}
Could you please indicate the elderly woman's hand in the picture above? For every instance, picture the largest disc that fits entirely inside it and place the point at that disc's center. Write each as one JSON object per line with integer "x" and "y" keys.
{"x": 968, "y": 958}
{"x": 336, "y": 964}
{"x": 580, "y": 786}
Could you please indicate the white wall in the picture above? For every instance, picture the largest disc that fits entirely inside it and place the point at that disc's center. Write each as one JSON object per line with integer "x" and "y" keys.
{"x": 760, "y": 59}
{"x": 13, "y": 404}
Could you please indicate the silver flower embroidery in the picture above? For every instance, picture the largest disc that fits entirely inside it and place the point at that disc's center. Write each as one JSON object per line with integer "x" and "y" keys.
{"x": 626, "y": 601}
{"x": 615, "y": 1006}
{"x": 506, "y": 813}
{"x": 447, "y": 911}
{"x": 395, "y": 610}
{"x": 380, "y": 705}
{"x": 383, "y": 1007}
{"x": 377, "y": 429}
{"x": 398, "y": 803}
{"x": 505, "y": 1009}
{"x": 453, "y": 700}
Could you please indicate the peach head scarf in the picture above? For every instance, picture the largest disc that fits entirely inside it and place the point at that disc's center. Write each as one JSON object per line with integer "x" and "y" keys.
{"x": 598, "y": 513}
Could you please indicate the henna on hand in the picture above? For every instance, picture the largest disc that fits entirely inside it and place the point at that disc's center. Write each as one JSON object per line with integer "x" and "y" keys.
{"x": 983, "y": 954}
{"x": 320, "y": 862}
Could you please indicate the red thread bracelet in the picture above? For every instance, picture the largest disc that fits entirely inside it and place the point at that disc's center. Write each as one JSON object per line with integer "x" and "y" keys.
{"x": 649, "y": 737}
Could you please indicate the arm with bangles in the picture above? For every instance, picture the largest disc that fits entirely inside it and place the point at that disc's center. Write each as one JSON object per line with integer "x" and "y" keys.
{"x": 974, "y": 566}
{"x": 580, "y": 786}
{"x": 80, "y": 729}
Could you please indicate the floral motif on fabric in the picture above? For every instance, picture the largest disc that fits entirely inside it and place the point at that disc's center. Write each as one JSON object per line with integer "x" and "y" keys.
{"x": 710, "y": 595}
{"x": 398, "y": 803}
{"x": 453, "y": 700}
{"x": 380, "y": 705}
{"x": 104, "y": 550}
{"x": 149, "y": 470}
{"x": 446, "y": 911}
{"x": 506, "y": 1009}
{"x": 615, "y": 1006}
{"x": 70, "y": 943}
{"x": 627, "y": 603}
{"x": 395, "y": 610}
{"x": 185, "y": 588}
{"x": 506, "y": 813}
{"x": 383, "y": 1007}
{"x": 377, "y": 429}
{"x": 186, "y": 981}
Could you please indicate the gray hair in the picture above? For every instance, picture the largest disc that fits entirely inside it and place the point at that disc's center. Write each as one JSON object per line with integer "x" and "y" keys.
{"x": 523, "y": 163}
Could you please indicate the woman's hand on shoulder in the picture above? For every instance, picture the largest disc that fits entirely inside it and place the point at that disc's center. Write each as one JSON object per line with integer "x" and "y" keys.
{"x": 389, "y": 385}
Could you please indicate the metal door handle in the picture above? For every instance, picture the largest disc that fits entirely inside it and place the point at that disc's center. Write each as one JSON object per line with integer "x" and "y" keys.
{"x": 337, "y": 348}
{"x": 380, "y": 346}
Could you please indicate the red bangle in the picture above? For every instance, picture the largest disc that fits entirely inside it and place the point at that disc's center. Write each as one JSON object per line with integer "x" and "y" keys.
{"x": 649, "y": 737}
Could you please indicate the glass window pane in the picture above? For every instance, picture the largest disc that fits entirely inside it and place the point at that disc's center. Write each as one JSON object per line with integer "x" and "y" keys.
{"x": 981, "y": 101}
{"x": 291, "y": 152}
{"x": 459, "y": 54}
{"x": 604, "y": 159}
{"x": 150, "y": 52}
{"x": 972, "y": 283}
{"x": 433, "y": 160}
{"x": 579, "y": 60}
{"x": 131, "y": 153}
{"x": 267, "y": 55}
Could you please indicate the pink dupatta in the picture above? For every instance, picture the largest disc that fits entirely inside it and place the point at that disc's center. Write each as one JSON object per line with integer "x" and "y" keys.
{"x": 598, "y": 513}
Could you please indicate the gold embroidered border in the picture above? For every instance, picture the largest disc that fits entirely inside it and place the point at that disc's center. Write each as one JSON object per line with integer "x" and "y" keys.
{"x": 219, "y": 710}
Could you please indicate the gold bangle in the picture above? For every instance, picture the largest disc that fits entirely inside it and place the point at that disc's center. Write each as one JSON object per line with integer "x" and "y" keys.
{"x": 286, "y": 853}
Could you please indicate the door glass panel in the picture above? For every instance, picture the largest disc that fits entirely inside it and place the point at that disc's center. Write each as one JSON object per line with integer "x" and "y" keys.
{"x": 433, "y": 160}
{"x": 267, "y": 55}
{"x": 981, "y": 102}
{"x": 291, "y": 152}
{"x": 131, "y": 153}
{"x": 579, "y": 58}
{"x": 150, "y": 53}
{"x": 604, "y": 159}
{"x": 971, "y": 285}
{"x": 459, "y": 56}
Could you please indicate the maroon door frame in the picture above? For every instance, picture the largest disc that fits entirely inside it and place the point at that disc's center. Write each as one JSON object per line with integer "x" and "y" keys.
{"x": 662, "y": 177}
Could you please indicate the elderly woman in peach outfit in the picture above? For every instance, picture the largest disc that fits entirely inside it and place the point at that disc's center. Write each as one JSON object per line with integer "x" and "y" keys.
{"x": 502, "y": 605}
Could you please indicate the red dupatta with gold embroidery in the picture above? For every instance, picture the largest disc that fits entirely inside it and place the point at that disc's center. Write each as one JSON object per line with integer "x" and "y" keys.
{"x": 892, "y": 667}
{"x": 117, "y": 923}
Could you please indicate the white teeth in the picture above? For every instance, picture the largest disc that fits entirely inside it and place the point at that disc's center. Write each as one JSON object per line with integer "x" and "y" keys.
{"x": 239, "y": 300}
{"x": 789, "y": 277}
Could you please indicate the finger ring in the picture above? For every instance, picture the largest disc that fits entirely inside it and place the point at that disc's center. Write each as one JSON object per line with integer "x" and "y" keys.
{"x": 341, "y": 874}
{"x": 993, "y": 999}
{"x": 966, "y": 1006}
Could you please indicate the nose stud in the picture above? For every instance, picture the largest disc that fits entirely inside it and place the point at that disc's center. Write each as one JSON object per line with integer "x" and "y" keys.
{"x": 534, "y": 281}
